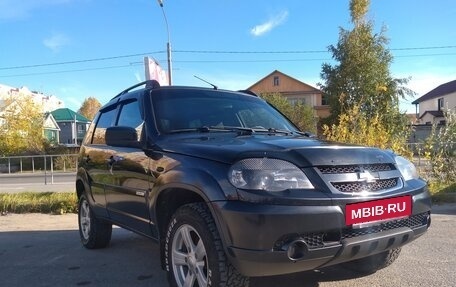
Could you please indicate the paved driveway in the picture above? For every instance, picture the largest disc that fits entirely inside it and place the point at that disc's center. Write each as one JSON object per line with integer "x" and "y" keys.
{"x": 44, "y": 250}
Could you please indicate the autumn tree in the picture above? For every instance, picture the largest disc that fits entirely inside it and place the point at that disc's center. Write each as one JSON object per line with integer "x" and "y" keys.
{"x": 299, "y": 114}
{"x": 360, "y": 82}
{"x": 21, "y": 126}
{"x": 89, "y": 107}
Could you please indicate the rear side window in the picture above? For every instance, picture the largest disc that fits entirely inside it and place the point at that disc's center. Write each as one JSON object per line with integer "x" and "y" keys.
{"x": 105, "y": 120}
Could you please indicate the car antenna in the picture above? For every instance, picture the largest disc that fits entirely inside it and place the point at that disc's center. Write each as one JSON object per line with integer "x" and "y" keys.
{"x": 215, "y": 87}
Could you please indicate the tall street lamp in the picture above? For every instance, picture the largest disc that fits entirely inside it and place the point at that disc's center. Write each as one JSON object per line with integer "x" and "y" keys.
{"x": 168, "y": 45}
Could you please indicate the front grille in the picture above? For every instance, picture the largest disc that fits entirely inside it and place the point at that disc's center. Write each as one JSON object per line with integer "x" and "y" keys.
{"x": 412, "y": 222}
{"x": 356, "y": 168}
{"x": 355, "y": 187}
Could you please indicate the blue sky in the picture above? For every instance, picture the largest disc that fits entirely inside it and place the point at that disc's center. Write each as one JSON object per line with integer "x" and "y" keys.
{"x": 36, "y": 32}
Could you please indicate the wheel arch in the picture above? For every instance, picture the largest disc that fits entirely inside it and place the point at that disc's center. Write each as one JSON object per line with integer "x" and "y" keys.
{"x": 167, "y": 203}
{"x": 79, "y": 188}
{"x": 82, "y": 184}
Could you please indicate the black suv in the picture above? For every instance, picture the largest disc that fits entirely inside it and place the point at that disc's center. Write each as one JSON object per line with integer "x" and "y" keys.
{"x": 231, "y": 189}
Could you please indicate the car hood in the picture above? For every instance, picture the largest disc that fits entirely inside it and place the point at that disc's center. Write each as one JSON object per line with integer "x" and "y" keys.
{"x": 302, "y": 151}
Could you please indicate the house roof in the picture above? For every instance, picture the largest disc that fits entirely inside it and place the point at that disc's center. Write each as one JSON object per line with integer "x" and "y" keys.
{"x": 50, "y": 123}
{"x": 67, "y": 115}
{"x": 435, "y": 114}
{"x": 441, "y": 90}
{"x": 283, "y": 74}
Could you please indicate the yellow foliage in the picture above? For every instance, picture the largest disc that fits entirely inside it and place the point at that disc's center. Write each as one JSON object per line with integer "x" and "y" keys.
{"x": 440, "y": 150}
{"x": 355, "y": 128}
{"x": 21, "y": 125}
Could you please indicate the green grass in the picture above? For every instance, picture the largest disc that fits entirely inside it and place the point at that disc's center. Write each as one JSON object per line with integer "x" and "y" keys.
{"x": 44, "y": 202}
{"x": 443, "y": 193}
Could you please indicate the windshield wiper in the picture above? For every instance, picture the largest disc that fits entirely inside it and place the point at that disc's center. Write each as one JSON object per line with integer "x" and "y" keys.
{"x": 276, "y": 131}
{"x": 206, "y": 129}
{"x": 307, "y": 134}
{"x": 240, "y": 130}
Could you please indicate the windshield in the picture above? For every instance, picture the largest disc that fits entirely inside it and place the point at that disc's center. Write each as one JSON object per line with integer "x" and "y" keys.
{"x": 188, "y": 109}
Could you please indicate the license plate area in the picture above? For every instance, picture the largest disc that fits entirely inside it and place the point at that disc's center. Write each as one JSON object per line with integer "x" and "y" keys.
{"x": 368, "y": 213}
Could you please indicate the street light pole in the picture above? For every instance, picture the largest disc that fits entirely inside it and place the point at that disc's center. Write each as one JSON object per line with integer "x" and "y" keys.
{"x": 168, "y": 45}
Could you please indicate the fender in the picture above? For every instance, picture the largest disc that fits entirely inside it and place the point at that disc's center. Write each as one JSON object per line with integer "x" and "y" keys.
{"x": 199, "y": 182}
{"x": 194, "y": 180}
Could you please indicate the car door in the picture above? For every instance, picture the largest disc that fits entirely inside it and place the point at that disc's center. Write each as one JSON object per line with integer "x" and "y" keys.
{"x": 129, "y": 171}
{"x": 95, "y": 153}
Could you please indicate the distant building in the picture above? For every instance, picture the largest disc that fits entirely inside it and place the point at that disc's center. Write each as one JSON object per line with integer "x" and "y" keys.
{"x": 294, "y": 90}
{"x": 46, "y": 102}
{"x": 73, "y": 126}
{"x": 430, "y": 109}
{"x": 51, "y": 129}
{"x": 431, "y": 106}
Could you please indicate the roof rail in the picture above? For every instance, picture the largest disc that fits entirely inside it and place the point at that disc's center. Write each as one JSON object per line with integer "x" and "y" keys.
{"x": 249, "y": 92}
{"x": 150, "y": 84}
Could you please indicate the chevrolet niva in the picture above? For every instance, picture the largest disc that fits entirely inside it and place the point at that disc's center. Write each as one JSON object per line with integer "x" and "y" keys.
{"x": 231, "y": 189}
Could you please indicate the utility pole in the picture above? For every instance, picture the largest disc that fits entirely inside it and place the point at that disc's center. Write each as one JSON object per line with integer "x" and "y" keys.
{"x": 168, "y": 45}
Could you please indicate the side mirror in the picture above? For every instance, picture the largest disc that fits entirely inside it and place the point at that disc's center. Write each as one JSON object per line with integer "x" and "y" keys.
{"x": 122, "y": 137}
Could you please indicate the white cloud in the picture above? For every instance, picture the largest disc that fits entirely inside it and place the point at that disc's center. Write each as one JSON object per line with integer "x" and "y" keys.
{"x": 56, "y": 42}
{"x": 273, "y": 22}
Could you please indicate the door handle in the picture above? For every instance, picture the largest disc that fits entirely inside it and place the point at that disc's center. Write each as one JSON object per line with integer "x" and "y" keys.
{"x": 113, "y": 159}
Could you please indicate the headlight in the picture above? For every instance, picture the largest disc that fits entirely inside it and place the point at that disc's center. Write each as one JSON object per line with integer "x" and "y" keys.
{"x": 267, "y": 174}
{"x": 407, "y": 168}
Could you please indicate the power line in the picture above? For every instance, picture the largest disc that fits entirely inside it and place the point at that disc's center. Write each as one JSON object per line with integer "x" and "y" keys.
{"x": 201, "y": 62}
{"x": 247, "y": 52}
{"x": 424, "y": 55}
{"x": 213, "y": 52}
{"x": 250, "y": 61}
{"x": 299, "y": 51}
{"x": 71, "y": 71}
{"x": 423, "y": 48}
{"x": 80, "y": 61}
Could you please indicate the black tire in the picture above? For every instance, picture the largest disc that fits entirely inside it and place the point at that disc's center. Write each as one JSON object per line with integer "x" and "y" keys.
{"x": 94, "y": 232}
{"x": 373, "y": 263}
{"x": 192, "y": 225}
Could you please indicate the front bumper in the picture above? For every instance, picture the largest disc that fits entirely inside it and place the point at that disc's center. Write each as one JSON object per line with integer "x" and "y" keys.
{"x": 257, "y": 236}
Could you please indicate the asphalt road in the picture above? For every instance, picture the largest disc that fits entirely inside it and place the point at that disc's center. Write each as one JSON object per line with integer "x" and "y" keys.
{"x": 44, "y": 250}
{"x": 37, "y": 182}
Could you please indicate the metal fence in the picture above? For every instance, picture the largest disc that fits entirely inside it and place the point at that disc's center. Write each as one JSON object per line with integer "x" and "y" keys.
{"x": 39, "y": 163}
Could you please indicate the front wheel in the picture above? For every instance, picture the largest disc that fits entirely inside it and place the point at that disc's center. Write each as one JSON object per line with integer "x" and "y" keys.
{"x": 94, "y": 232}
{"x": 194, "y": 255}
{"x": 373, "y": 263}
